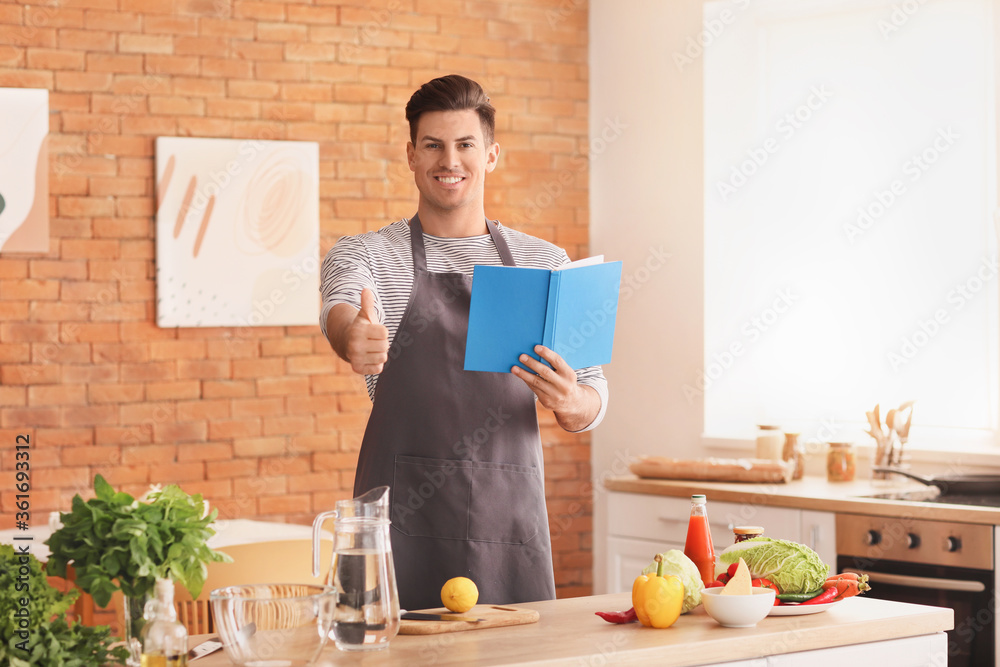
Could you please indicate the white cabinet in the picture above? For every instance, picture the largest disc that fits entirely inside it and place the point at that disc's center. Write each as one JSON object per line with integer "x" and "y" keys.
{"x": 640, "y": 526}
{"x": 819, "y": 533}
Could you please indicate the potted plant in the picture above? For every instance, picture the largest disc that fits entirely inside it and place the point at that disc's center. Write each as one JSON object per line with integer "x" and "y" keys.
{"x": 115, "y": 542}
{"x": 33, "y": 625}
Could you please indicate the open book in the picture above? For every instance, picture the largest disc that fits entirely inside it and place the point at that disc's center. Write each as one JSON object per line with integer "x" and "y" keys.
{"x": 570, "y": 309}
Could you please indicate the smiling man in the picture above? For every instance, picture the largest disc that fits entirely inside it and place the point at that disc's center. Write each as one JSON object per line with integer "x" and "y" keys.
{"x": 460, "y": 450}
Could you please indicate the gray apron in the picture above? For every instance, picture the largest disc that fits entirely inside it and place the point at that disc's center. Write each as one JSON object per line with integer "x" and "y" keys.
{"x": 460, "y": 451}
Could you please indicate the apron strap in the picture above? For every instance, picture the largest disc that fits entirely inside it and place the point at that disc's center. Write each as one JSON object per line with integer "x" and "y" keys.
{"x": 501, "y": 243}
{"x": 420, "y": 255}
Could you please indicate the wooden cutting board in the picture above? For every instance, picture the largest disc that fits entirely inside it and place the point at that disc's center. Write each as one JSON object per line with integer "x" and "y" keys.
{"x": 713, "y": 469}
{"x": 494, "y": 616}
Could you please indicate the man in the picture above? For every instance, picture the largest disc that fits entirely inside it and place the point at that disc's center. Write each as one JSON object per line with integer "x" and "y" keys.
{"x": 460, "y": 450}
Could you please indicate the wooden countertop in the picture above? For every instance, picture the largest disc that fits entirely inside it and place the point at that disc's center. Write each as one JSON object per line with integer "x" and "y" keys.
{"x": 568, "y": 633}
{"x": 812, "y": 493}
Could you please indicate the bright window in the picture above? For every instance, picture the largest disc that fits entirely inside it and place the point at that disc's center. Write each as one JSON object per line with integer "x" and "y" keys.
{"x": 850, "y": 189}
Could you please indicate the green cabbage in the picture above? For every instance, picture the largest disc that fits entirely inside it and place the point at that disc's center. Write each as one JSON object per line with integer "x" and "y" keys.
{"x": 792, "y": 567}
{"x": 682, "y": 567}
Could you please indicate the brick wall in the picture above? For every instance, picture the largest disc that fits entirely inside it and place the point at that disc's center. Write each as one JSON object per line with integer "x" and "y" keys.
{"x": 265, "y": 422}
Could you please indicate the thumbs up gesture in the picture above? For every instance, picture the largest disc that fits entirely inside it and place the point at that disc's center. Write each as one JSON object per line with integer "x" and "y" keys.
{"x": 367, "y": 338}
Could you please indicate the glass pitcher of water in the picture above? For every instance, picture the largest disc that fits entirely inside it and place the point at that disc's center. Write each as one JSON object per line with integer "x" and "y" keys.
{"x": 367, "y": 614}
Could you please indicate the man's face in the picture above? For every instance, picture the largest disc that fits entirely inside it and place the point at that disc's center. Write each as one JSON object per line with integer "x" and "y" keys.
{"x": 450, "y": 159}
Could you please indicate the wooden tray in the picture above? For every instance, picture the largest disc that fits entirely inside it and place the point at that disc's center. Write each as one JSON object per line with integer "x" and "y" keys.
{"x": 494, "y": 616}
{"x": 714, "y": 470}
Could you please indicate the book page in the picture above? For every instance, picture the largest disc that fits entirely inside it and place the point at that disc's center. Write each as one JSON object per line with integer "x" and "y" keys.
{"x": 596, "y": 259}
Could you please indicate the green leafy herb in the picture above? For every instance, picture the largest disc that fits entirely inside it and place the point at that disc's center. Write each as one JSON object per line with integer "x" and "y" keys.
{"x": 115, "y": 538}
{"x": 50, "y": 640}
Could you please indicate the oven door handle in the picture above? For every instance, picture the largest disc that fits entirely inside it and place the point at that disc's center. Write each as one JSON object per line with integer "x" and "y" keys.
{"x": 962, "y": 585}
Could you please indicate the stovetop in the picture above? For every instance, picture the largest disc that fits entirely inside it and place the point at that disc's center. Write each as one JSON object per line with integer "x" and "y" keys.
{"x": 932, "y": 495}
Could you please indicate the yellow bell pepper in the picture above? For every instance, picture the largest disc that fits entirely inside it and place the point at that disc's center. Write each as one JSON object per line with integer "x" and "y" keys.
{"x": 657, "y": 599}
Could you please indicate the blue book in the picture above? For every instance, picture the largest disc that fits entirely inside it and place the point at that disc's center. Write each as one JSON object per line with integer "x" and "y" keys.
{"x": 570, "y": 310}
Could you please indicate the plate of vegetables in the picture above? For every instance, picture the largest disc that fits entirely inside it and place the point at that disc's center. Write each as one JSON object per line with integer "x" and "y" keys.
{"x": 801, "y": 579}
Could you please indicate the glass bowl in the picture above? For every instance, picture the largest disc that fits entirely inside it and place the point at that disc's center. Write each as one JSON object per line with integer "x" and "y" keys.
{"x": 273, "y": 625}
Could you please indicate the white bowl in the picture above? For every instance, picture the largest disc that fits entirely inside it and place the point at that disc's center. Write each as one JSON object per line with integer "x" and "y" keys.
{"x": 738, "y": 611}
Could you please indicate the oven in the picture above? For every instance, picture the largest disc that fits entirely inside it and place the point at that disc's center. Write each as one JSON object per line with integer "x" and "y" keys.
{"x": 937, "y": 563}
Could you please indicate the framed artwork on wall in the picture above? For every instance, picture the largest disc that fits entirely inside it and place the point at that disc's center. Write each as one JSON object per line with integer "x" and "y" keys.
{"x": 237, "y": 232}
{"x": 24, "y": 170}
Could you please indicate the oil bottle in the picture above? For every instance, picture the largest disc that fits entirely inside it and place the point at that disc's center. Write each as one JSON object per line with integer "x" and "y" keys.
{"x": 164, "y": 639}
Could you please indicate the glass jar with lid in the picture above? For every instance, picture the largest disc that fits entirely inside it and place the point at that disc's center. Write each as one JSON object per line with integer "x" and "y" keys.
{"x": 770, "y": 442}
{"x": 744, "y": 533}
{"x": 840, "y": 462}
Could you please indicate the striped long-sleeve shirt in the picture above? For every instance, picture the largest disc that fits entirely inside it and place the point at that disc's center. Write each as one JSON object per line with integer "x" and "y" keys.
{"x": 382, "y": 262}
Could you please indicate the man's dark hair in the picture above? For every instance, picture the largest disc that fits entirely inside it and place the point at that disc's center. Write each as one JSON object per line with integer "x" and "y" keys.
{"x": 451, "y": 93}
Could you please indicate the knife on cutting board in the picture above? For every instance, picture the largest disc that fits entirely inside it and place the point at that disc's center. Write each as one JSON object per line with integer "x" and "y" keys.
{"x": 420, "y": 616}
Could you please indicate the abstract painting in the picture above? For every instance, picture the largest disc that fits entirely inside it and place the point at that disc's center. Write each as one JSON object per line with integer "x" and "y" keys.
{"x": 24, "y": 170}
{"x": 237, "y": 232}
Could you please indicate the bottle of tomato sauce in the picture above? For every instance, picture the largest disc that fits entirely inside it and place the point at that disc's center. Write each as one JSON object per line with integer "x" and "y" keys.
{"x": 698, "y": 546}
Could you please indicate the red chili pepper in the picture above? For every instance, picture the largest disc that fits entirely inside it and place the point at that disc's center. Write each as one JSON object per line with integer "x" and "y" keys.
{"x": 824, "y": 597}
{"x": 619, "y": 616}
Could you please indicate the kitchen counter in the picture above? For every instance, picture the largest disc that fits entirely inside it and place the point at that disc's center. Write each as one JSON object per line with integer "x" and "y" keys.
{"x": 812, "y": 493}
{"x": 568, "y": 633}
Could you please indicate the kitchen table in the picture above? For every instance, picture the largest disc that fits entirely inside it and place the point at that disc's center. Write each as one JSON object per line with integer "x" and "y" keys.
{"x": 857, "y": 631}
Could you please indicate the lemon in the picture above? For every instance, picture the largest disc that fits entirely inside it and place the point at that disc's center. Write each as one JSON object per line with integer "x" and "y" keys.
{"x": 459, "y": 594}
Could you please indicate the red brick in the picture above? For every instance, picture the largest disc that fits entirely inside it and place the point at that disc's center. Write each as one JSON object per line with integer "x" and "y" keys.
{"x": 235, "y": 69}
{"x": 21, "y": 78}
{"x": 255, "y": 368}
{"x": 170, "y": 431}
{"x": 60, "y": 353}
{"x": 256, "y": 447}
{"x": 204, "y": 451}
{"x": 138, "y": 43}
{"x": 38, "y": 58}
{"x": 281, "y": 32}
{"x": 283, "y": 503}
{"x": 234, "y": 428}
{"x": 88, "y": 373}
{"x": 303, "y": 14}
{"x": 231, "y": 468}
{"x": 257, "y": 407}
{"x": 106, "y": 455}
{"x": 170, "y": 25}
{"x": 149, "y": 372}
{"x": 262, "y": 11}
{"x": 203, "y": 409}
{"x": 176, "y": 349}
{"x": 254, "y": 89}
{"x": 228, "y": 388}
{"x": 116, "y": 393}
{"x": 21, "y": 418}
